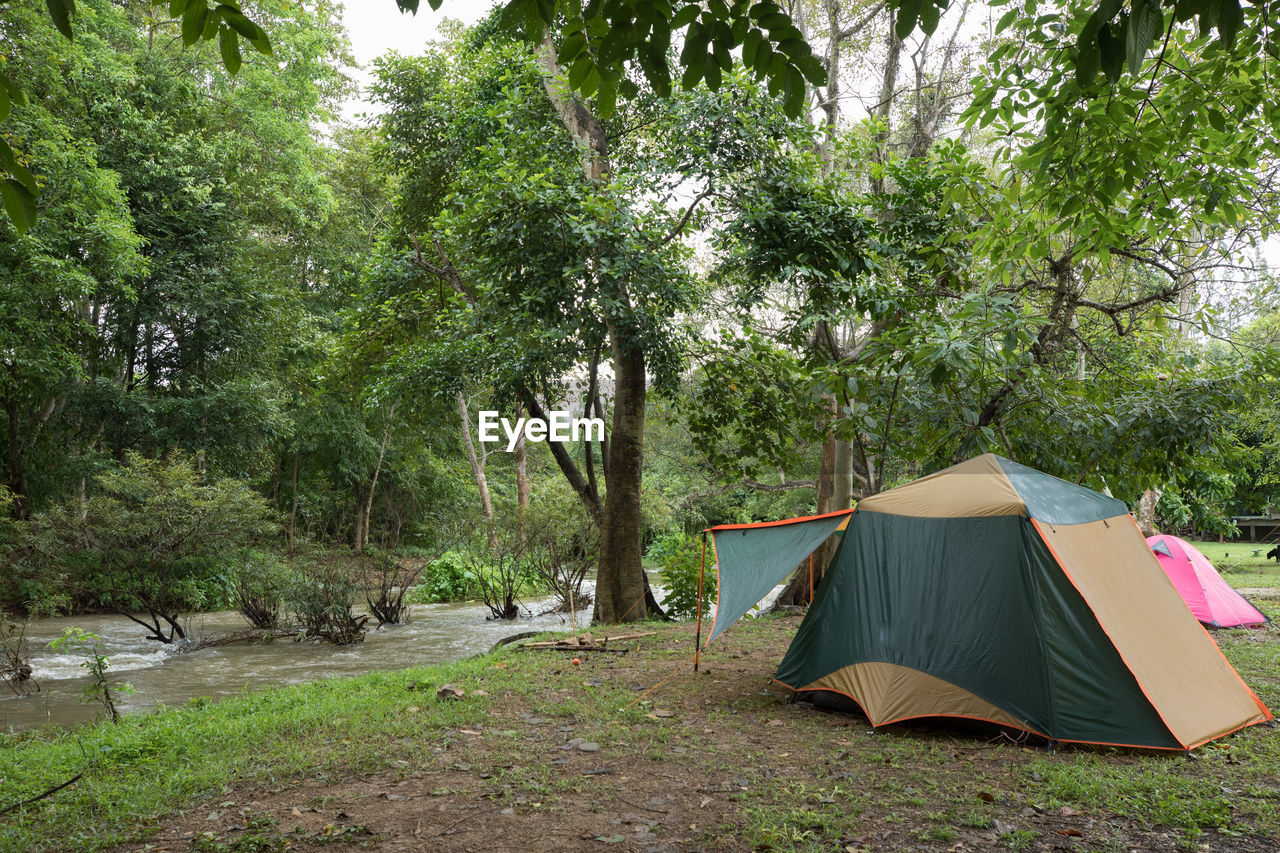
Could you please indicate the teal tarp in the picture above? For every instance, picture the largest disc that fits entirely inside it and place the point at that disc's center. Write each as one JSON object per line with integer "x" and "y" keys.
{"x": 761, "y": 558}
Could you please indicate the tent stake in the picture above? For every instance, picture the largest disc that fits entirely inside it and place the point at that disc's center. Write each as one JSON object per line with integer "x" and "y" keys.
{"x": 702, "y": 566}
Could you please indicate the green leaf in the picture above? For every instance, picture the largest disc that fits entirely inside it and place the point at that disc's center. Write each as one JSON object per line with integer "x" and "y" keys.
{"x": 1211, "y": 202}
{"x": 685, "y": 17}
{"x": 929, "y": 15}
{"x": 572, "y": 47}
{"x": 177, "y": 7}
{"x": 794, "y": 48}
{"x": 1230, "y": 17}
{"x": 692, "y": 75}
{"x": 591, "y": 82}
{"x": 1006, "y": 19}
{"x": 60, "y": 11}
{"x": 750, "y": 46}
{"x": 1087, "y": 64}
{"x": 20, "y": 204}
{"x": 578, "y": 71}
{"x": 764, "y": 58}
{"x": 1110, "y": 54}
{"x": 711, "y": 72}
{"x": 193, "y": 21}
{"x": 229, "y": 44}
{"x": 794, "y": 93}
{"x": 239, "y": 22}
{"x": 547, "y": 11}
{"x": 1145, "y": 24}
{"x": 14, "y": 91}
{"x": 908, "y": 12}
{"x": 211, "y": 23}
{"x": 411, "y": 6}
{"x": 606, "y": 100}
{"x": 813, "y": 70}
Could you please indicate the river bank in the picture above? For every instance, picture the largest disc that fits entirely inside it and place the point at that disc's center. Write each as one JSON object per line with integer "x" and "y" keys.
{"x": 171, "y": 675}
{"x": 628, "y": 750}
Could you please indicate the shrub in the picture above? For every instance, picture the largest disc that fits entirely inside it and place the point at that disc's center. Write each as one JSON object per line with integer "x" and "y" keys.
{"x": 679, "y": 559}
{"x": 151, "y": 539}
{"x": 447, "y": 578}
{"x": 259, "y": 582}
{"x": 562, "y": 546}
{"x": 320, "y": 597}
{"x": 386, "y": 580}
{"x": 15, "y": 668}
{"x": 501, "y": 571}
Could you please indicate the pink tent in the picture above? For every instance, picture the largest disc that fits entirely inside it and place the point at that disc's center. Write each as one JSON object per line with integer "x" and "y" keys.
{"x": 1210, "y": 598}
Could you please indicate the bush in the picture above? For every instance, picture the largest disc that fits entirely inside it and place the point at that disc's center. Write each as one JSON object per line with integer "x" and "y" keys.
{"x": 679, "y": 559}
{"x": 447, "y": 578}
{"x": 152, "y": 539}
{"x": 320, "y": 597}
{"x": 259, "y": 583}
{"x": 562, "y": 547}
{"x": 387, "y": 580}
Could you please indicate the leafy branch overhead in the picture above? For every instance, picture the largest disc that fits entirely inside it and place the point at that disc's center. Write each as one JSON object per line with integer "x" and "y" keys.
{"x": 601, "y": 38}
{"x": 199, "y": 21}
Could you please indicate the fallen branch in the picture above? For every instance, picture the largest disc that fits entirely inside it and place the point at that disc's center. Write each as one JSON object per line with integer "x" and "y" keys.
{"x": 55, "y": 789}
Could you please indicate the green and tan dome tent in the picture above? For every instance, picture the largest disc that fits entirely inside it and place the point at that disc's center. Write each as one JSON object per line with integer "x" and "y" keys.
{"x": 995, "y": 592}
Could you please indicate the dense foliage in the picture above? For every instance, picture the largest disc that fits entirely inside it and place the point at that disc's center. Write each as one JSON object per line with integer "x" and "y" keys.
{"x": 243, "y": 346}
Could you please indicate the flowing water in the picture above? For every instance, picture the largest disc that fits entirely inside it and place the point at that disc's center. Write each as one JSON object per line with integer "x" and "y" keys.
{"x": 162, "y": 674}
{"x": 166, "y": 675}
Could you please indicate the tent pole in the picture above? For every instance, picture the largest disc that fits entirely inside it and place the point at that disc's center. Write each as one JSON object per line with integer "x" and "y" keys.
{"x": 702, "y": 566}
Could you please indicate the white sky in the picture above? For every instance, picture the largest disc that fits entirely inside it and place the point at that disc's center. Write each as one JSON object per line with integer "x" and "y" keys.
{"x": 378, "y": 26}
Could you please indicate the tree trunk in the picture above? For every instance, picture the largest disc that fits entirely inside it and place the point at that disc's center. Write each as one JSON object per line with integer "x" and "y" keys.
{"x": 522, "y": 489}
{"x": 796, "y": 592}
{"x": 477, "y": 469}
{"x": 1146, "y": 514}
{"x": 622, "y": 593}
{"x": 293, "y": 508}
{"x": 373, "y": 486}
{"x": 620, "y": 580}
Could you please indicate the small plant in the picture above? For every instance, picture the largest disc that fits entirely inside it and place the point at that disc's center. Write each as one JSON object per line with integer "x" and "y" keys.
{"x": 260, "y": 835}
{"x": 387, "y": 580}
{"x": 679, "y": 558}
{"x": 559, "y": 560}
{"x": 77, "y": 642}
{"x": 1017, "y": 839}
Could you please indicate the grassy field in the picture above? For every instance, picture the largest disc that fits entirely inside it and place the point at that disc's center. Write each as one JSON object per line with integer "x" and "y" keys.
{"x": 633, "y": 750}
{"x": 1242, "y": 564}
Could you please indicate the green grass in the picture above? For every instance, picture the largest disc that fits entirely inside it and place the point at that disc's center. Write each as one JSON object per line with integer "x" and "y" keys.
{"x": 151, "y": 764}
{"x": 1239, "y": 565}
{"x": 812, "y": 781}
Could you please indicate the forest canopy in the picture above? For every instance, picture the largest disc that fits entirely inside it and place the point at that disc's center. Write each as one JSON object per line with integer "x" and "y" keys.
{"x": 858, "y": 242}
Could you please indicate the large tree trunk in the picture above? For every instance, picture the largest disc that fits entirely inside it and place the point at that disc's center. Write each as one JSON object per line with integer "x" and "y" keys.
{"x": 620, "y": 579}
{"x": 1146, "y": 514}
{"x": 622, "y": 590}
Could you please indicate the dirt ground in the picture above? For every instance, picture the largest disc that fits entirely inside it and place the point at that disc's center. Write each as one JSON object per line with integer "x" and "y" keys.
{"x": 723, "y": 762}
